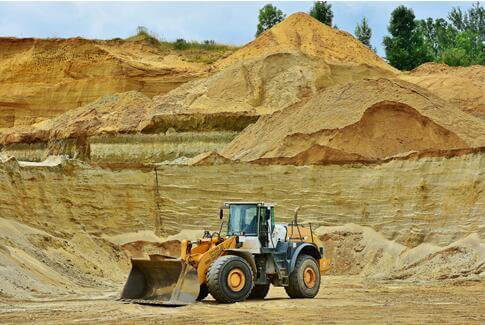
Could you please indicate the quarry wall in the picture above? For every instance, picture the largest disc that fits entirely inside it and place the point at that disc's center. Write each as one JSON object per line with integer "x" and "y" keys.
{"x": 436, "y": 200}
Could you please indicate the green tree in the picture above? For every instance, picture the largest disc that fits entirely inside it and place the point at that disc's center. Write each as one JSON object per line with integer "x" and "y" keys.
{"x": 472, "y": 20}
{"x": 405, "y": 47}
{"x": 466, "y": 51}
{"x": 364, "y": 33}
{"x": 476, "y": 21}
{"x": 322, "y": 11}
{"x": 438, "y": 35}
{"x": 460, "y": 41}
{"x": 269, "y": 16}
{"x": 457, "y": 19}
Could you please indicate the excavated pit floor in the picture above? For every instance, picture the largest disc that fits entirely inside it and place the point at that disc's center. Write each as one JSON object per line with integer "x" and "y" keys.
{"x": 342, "y": 299}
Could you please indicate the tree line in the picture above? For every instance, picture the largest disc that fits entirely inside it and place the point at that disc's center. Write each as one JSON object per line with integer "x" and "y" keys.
{"x": 458, "y": 40}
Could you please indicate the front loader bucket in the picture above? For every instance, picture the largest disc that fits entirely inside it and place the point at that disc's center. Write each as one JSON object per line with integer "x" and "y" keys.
{"x": 161, "y": 281}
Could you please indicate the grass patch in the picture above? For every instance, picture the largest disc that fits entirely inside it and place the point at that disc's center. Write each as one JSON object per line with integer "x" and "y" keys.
{"x": 207, "y": 51}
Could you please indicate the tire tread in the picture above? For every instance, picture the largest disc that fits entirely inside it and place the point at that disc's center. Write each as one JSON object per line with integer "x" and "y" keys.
{"x": 293, "y": 289}
{"x": 213, "y": 278}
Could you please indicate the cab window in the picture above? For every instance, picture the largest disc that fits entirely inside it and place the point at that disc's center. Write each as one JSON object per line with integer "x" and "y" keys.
{"x": 243, "y": 220}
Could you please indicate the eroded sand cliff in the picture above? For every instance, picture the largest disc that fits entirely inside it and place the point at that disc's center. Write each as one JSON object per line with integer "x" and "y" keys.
{"x": 42, "y": 78}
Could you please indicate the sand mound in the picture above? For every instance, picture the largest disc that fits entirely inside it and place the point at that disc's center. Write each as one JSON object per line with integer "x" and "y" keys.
{"x": 37, "y": 265}
{"x": 307, "y": 35}
{"x": 42, "y": 78}
{"x": 462, "y": 86}
{"x": 362, "y": 251}
{"x": 189, "y": 234}
{"x": 119, "y": 113}
{"x": 141, "y": 249}
{"x": 253, "y": 86}
{"x": 315, "y": 155}
{"x": 282, "y": 67}
{"x": 262, "y": 85}
{"x": 208, "y": 158}
{"x": 372, "y": 119}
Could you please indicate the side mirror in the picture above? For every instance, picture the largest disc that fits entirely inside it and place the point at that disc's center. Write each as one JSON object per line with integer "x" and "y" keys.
{"x": 221, "y": 214}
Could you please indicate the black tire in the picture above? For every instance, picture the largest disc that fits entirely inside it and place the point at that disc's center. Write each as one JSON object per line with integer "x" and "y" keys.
{"x": 297, "y": 287}
{"x": 259, "y": 291}
{"x": 217, "y": 279}
{"x": 203, "y": 293}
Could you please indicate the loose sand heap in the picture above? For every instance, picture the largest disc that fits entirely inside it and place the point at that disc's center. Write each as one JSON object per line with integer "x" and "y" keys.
{"x": 462, "y": 86}
{"x": 203, "y": 159}
{"x": 119, "y": 113}
{"x": 362, "y": 251}
{"x": 59, "y": 264}
{"x": 36, "y": 264}
{"x": 301, "y": 32}
{"x": 254, "y": 86}
{"x": 283, "y": 66}
{"x": 42, "y": 78}
{"x": 365, "y": 120}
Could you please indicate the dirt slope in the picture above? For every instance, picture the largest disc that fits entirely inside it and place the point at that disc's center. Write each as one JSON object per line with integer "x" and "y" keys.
{"x": 282, "y": 67}
{"x": 462, "y": 86}
{"x": 37, "y": 264}
{"x": 358, "y": 250}
{"x": 118, "y": 113}
{"x": 301, "y": 32}
{"x": 41, "y": 78}
{"x": 372, "y": 119}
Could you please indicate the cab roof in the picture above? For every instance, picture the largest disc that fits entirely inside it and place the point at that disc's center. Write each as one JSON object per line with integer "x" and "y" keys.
{"x": 262, "y": 204}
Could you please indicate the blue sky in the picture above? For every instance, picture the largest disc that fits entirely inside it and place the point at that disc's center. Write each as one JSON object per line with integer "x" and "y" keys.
{"x": 225, "y": 22}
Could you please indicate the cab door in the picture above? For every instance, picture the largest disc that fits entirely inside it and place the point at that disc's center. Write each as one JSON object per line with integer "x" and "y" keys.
{"x": 264, "y": 225}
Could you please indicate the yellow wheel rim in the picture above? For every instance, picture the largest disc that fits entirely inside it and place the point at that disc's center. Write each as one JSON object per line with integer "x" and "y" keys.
{"x": 309, "y": 277}
{"x": 236, "y": 279}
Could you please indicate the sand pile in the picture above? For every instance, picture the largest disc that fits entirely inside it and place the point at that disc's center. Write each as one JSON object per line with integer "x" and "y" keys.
{"x": 254, "y": 86}
{"x": 119, "y": 113}
{"x": 142, "y": 249}
{"x": 282, "y": 67}
{"x": 42, "y": 78}
{"x": 142, "y": 243}
{"x": 38, "y": 265}
{"x": 301, "y": 32}
{"x": 68, "y": 262}
{"x": 362, "y": 251}
{"x": 363, "y": 120}
{"x": 462, "y": 86}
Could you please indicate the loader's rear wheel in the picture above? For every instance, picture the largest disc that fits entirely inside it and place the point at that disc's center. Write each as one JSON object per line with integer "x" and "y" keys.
{"x": 230, "y": 279}
{"x": 259, "y": 291}
{"x": 304, "y": 281}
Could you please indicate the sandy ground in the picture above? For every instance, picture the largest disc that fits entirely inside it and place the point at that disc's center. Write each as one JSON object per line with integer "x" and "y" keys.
{"x": 342, "y": 299}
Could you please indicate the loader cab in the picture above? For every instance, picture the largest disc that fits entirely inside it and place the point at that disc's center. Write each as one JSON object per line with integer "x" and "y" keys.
{"x": 253, "y": 222}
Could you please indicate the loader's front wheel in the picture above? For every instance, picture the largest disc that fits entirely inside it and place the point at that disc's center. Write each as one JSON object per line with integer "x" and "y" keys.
{"x": 304, "y": 281}
{"x": 230, "y": 279}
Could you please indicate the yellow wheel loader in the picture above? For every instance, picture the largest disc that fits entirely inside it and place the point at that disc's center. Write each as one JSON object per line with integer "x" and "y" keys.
{"x": 255, "y": 253}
